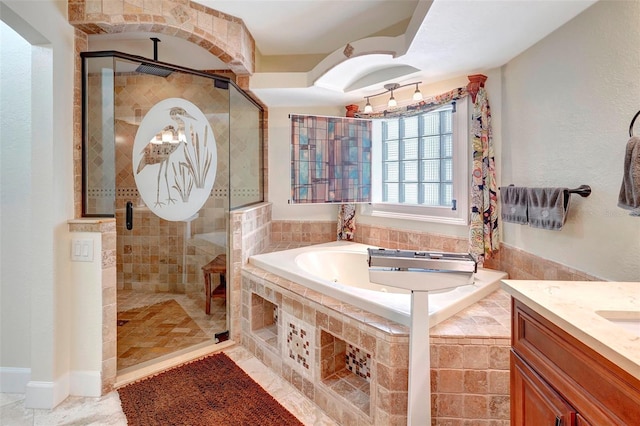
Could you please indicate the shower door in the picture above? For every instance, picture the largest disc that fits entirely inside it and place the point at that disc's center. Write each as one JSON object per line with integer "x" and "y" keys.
{"x": 157, "y": 152}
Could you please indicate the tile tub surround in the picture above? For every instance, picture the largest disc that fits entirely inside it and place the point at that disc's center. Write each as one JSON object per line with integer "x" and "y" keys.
{"x": 250, "y": 229}
{"x": 323, "y": 376}
{"x": 518, "y": 263}
{"x": 470, "y": 364}
{"x": 469, "y": 354}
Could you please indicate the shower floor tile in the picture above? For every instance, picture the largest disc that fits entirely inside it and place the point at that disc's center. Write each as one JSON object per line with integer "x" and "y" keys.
{"x": 151, "y": 325}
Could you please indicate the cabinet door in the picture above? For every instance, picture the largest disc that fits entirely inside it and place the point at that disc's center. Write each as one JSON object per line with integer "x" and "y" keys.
{"x": 580, "y": 421}
{"x": 533, "y": 401}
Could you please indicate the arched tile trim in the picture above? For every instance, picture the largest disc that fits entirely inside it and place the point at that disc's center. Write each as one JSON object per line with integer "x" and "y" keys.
{"x": 224, "y": 36}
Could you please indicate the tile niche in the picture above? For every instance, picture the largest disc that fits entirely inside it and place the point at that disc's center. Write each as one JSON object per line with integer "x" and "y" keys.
{"x": 332, "y": 357}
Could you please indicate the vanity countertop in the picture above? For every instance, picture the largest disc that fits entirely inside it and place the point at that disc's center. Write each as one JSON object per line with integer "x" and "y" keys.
{"x": 581, "y": 308}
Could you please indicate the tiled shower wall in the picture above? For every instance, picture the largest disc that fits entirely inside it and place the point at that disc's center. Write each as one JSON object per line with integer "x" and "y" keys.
{"x": 157, "y": 255}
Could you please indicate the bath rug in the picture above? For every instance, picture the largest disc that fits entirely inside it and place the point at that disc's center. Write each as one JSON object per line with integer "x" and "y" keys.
{"x": 210, "y": 391}
{"x": 152, "y": 331}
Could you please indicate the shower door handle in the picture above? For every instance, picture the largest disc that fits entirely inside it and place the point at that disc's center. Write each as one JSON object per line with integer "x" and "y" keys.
{"x": 129, "y": 216}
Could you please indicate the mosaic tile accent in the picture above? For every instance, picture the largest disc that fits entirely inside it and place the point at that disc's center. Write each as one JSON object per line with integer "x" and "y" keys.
{"x": 298, "y": 342}
{"x": 358, "y": 362}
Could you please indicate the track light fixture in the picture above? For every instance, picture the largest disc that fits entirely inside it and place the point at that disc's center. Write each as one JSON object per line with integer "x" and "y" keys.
{"x": 389, "y": 88}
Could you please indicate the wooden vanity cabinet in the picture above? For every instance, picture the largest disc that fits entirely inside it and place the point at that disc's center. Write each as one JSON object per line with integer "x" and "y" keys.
{"x": 557, "y": 380}
{"x": 537, "y": 403}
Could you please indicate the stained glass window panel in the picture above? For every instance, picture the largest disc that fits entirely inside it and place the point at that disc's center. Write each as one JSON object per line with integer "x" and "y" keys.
{"x": 330, "y": 159}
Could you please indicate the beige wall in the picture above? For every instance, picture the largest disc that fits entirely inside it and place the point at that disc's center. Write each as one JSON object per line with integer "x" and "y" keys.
{"x": 45, "y": 303}
{"x": 560, "y": 115}
{"x": 567, "y": 104}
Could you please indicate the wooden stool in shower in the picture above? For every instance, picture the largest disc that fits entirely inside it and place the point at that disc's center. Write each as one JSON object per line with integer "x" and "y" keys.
{"x": 216, "y": 266}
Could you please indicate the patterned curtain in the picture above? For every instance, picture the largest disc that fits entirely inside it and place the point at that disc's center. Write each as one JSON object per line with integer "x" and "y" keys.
{"x": 483, "y": 235}
{"x": 346, "y": 222}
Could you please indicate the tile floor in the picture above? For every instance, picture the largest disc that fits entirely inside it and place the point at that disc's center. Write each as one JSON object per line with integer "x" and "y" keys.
{"x": 106, "y": 411}
{"x": 151, "y": 325}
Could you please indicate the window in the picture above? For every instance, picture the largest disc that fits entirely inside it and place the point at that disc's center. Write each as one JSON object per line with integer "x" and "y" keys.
{"x": 420, "y": 166}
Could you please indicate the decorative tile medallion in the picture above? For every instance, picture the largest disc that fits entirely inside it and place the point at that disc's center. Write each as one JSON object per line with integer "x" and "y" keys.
{"x": 358, "y": 362}
{"x": 298, "y": 344}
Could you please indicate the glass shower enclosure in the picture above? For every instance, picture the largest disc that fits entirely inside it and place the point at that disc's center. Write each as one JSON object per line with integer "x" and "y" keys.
{"x": 168, "y": 152}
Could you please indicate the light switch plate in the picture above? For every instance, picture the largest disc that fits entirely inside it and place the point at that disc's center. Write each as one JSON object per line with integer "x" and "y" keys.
{"x": 81, "y": 250}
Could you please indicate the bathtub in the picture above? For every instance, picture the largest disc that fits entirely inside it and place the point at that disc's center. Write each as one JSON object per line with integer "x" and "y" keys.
{"x": 339, "y": 269}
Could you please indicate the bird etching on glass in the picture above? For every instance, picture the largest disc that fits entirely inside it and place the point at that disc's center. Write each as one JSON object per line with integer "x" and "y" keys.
{"x": 162, "y": 146}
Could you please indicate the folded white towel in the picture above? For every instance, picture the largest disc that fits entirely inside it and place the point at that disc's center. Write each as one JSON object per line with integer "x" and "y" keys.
{"x": 629, "y": 197}
{"x": 513, "y": 207}
{"x": 547, "y": 207}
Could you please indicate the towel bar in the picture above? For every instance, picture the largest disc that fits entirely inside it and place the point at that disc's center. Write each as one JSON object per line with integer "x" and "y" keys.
{"x": 633, "y": 121}
{"x": 582, "y": 190}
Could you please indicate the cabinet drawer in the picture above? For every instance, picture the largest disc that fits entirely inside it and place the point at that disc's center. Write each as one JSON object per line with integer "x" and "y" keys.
{"x": 599, "y": 390}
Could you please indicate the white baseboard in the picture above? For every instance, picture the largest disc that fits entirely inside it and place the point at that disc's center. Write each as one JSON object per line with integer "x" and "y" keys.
{"x": 46, "y": 395}
{"x": 14, "y": 380}
{"x": 86, "y": 383}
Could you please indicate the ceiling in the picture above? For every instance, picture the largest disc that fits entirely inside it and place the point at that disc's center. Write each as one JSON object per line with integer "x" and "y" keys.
{"x": 398, "y": 41}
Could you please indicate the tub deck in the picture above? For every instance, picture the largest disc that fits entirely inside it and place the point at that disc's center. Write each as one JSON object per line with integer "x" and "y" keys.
{"x": 389, "y": 305}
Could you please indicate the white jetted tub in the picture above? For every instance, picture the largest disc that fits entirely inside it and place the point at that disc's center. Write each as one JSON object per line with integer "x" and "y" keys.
{"x": 339, "y": 269}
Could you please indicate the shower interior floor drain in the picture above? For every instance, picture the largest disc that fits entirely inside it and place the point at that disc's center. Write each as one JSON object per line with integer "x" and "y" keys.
{"x": 122, "y": 322}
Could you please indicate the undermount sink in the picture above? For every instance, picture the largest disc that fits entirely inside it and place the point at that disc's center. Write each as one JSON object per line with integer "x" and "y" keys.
{"x": 628, "y": 320}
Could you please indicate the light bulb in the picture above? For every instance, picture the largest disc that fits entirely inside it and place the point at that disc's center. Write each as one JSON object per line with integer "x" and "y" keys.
{"x": 392, "y": 101}
{"x": 417, "y": 96}
{"x": 368, "y": 108}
